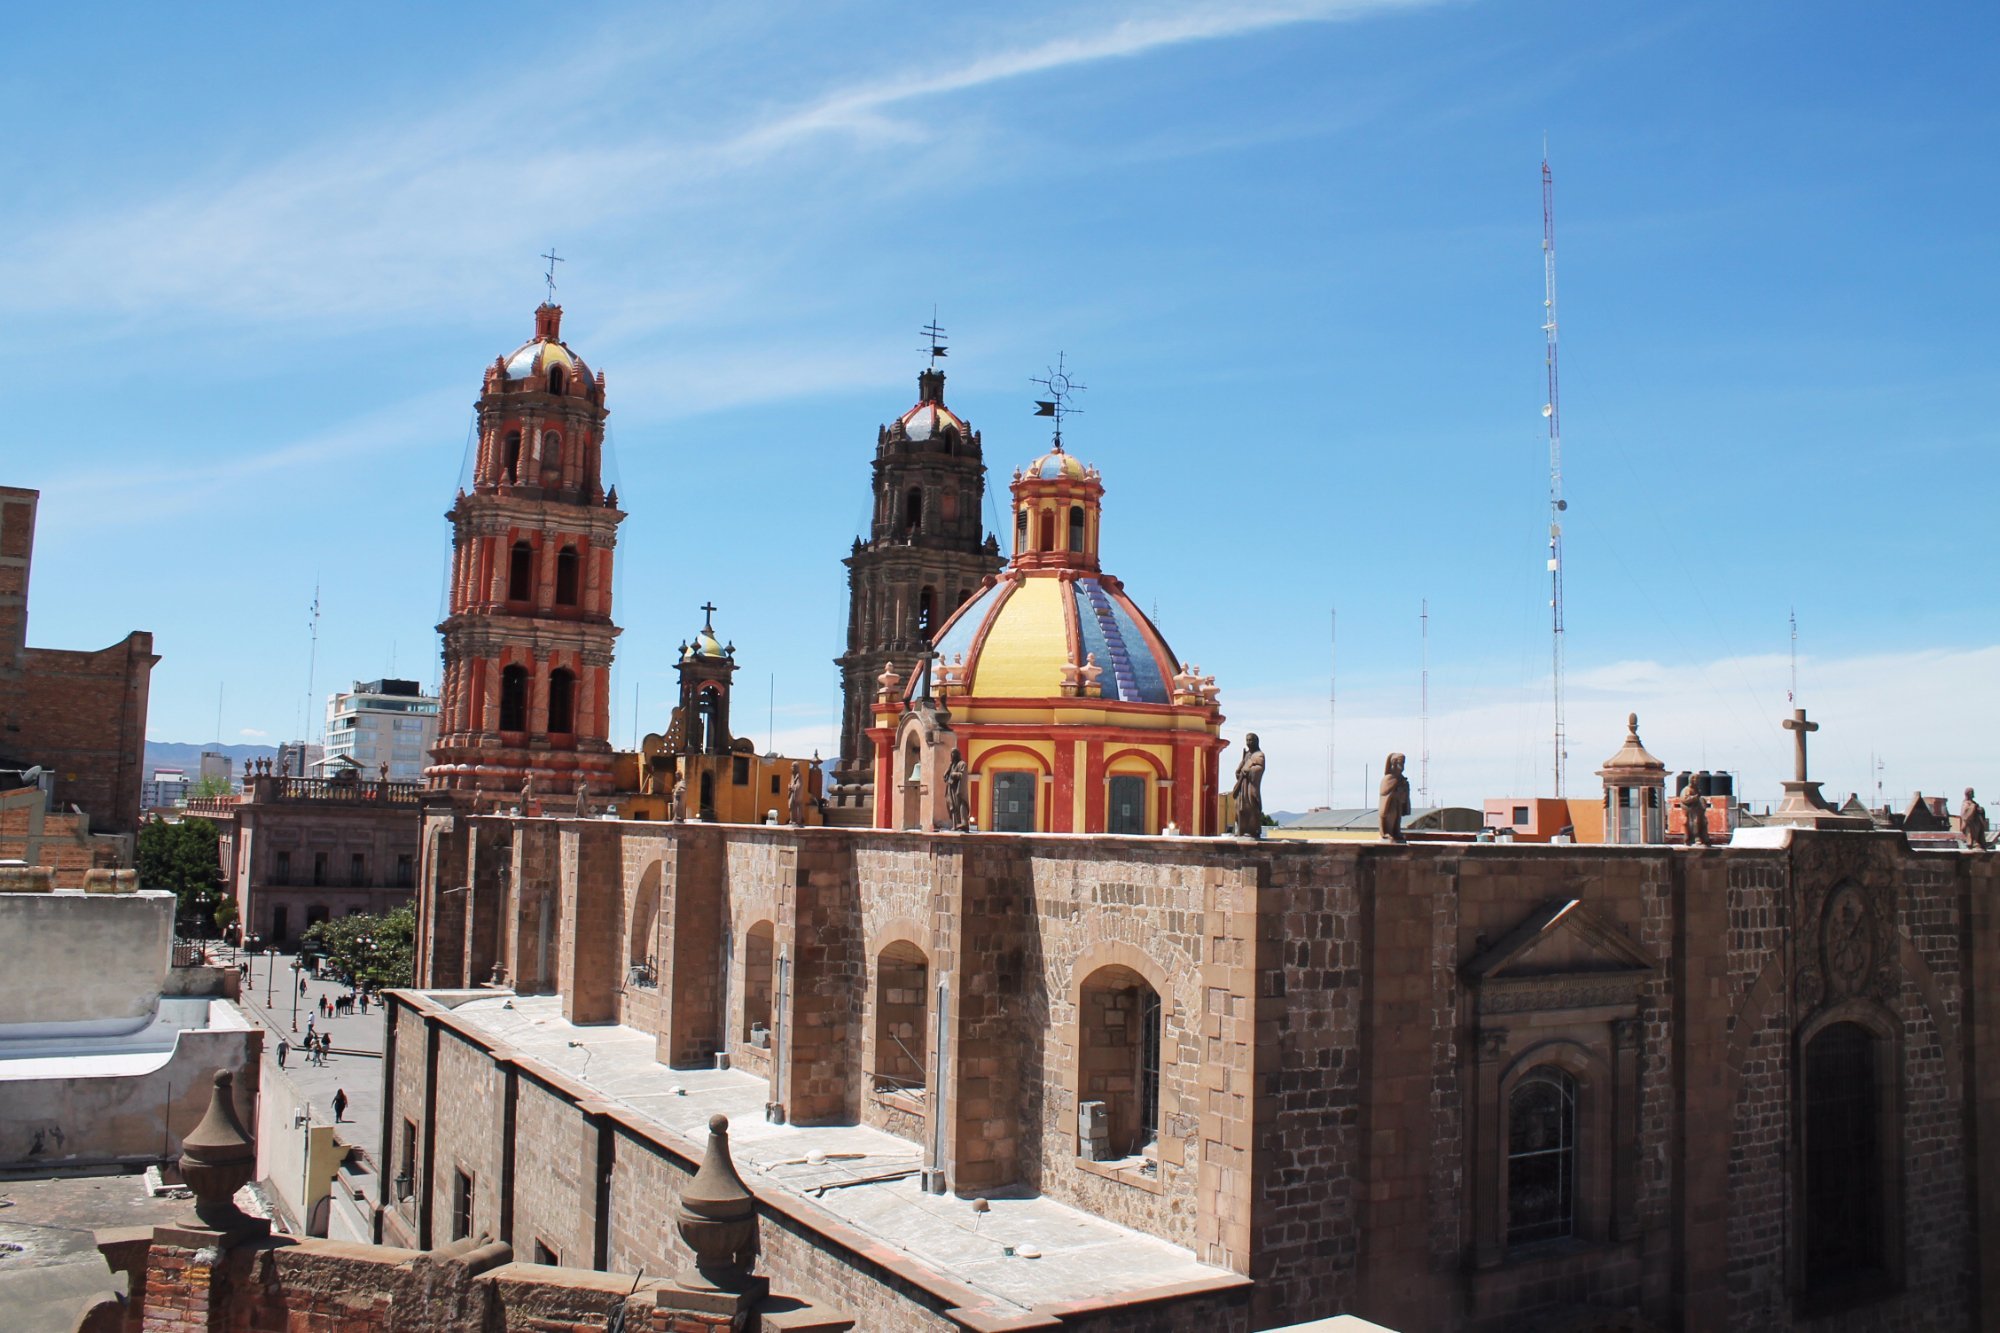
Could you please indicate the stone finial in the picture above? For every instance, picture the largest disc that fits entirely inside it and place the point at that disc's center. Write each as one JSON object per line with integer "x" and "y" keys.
{"x": 718, "y": 1218}
{"x": 218, "y": 1159}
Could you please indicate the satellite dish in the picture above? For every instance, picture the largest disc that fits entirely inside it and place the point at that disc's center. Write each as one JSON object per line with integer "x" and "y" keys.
{"x": 30, "y": 776}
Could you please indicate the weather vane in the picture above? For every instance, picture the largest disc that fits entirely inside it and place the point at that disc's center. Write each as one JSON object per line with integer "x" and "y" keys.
{"x": 550, "y": 276}
{"x": 934, "y": 339}
{"x": 1059, "y": 386}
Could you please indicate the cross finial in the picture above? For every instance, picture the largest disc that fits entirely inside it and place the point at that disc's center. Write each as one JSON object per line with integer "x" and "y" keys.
{"x": 1059, "y": 387}
{"x": 1798, "y": 726}
{"x": 934, "y": 339}
{"x": 708, "y": 617}
{"x": 550, "y": 276}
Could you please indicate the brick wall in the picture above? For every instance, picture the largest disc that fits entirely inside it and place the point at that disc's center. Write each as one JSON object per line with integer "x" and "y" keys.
{"x": 1320, "y": 1121}
{"x": 182, "y": 1280}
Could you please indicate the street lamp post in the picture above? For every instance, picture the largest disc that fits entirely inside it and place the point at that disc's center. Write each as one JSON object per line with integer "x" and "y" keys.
{"x": 295, "y": 992}
{"x": 270, "y": 966}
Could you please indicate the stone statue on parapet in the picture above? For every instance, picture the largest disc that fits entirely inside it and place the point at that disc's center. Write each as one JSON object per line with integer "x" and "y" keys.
{"x": 680, "y": 798}
{"x": 1694, "y": 813}
{"x": 528, "y": 794}
{"x": 954, "y": 792}
{"x": 1394, "y": 805}
{"x": 583, "y": 810}
{"x": 1249, "y": 791}
{"x": 1972, "y": 824}
{"x": 795, "y": 795}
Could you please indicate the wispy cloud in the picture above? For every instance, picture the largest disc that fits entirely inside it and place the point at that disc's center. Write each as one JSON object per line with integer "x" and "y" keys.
{"x": 857, "y": 110}
{"x": 1902, "y": 710}
{"x": 422, "y": 210}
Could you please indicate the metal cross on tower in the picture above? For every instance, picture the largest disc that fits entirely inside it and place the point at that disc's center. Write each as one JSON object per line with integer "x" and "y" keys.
{"x": 1059, "y": 387}
{"x": 550, "y": 276}
{"x": 708, "y": 616}
{"x": 933, "y": 339}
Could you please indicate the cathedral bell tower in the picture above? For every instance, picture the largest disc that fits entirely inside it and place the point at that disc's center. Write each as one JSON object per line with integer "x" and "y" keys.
{"x": 926, "y": 552}
{"x": 528, "y": 637}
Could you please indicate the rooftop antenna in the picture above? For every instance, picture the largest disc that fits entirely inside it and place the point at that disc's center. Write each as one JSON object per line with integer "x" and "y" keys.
{"x": 550, "y": 276}
{"x": 1059, "y": 387}
{"x": 1792, "y": 695}
{"x": 1424, "y": 728}
{"x": 312, "y": 658}
{"x": 1332, "y": 699}
{"x": 934, "y": 339}
{"x": 1552, "y": 410}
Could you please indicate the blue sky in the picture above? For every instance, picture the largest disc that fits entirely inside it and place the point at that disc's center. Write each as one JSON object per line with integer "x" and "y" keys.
{"x": 256, "y": 261}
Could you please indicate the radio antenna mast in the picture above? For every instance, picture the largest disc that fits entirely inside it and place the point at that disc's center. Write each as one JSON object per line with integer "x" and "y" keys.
{"x": 1552, "y": 410}
{"x": 1424, "y": 732}
{"x": 1332, "y": 699}
{"x": 1792, "y": 695}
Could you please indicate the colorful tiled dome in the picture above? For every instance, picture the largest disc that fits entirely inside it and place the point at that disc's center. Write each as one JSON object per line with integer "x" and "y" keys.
{"x": 1056, "y": 464}
{"x": 1016, "y": 636}
{"x": 545, "y": 350}
{"x": 926, "y": 420}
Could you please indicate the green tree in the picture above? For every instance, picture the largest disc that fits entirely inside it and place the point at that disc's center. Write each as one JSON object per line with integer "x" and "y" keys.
{"x": 212, "y": 785}
{"x": 370, "y": 950}
{"x": 184, "y": 859}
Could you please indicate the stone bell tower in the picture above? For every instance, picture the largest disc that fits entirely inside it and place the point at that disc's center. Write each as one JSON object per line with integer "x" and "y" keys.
{"x": 926, "y": 552}
{"x": 528, "y": 636}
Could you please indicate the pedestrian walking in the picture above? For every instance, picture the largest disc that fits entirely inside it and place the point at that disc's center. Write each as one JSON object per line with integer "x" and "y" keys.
{"x": 284, "y": 1049}
{"x": 339, "y": 1105}
{"x": 302, "y": 985}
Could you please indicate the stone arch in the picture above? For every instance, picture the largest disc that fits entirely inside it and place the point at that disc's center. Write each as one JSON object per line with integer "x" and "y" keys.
{"x": 899, "y": 1002}
{"x": 759, "y": 979}
{"x": 643, "y": 935}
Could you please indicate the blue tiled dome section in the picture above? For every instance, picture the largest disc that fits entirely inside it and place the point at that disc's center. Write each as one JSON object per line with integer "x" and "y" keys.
{"x": 958, "y": 635}
{"x": 1110, "y": 631}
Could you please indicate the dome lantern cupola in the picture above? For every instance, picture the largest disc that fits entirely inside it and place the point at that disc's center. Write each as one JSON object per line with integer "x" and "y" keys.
{"x": 1058, "y": 500}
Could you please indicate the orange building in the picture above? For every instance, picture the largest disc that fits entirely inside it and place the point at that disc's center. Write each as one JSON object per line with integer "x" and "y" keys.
{"x": 1068, "y": 705}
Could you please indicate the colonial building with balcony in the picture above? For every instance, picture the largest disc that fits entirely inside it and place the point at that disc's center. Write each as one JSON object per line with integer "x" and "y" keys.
{"x": 300, "y": 850}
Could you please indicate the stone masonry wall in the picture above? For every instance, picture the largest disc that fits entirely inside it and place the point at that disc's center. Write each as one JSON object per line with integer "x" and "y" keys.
{"x": 1320, "y": 1122}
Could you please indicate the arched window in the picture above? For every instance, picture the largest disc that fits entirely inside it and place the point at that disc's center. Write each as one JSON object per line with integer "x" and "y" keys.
{"x": 1076, "y": 527}
{"x": 1048, "y": 542}
{"x": 641, "y": 948}
{"x": 926, "y": 612}
{"x": 902, "y": 992}
{"x": 757, "y": 954}
{"x": 1541, "y": 1157}
{"x": 1118, "y": 1064}
{"x": 1020, "y": 531}
{"x": 562, "y": 701}
{"x": 566, "y": 576}
{"x": 1843, "y": 1158}
{"x": 913, "y": 511}
{"x": 521, "y": 573}
{"x": 514, "y": 699}
{"x": 557, "y": 381}
{"x": 511, "y": 466}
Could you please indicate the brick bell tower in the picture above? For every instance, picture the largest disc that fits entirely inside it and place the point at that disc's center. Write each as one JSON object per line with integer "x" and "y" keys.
{"x": 925, "y": 553}
{"x": 528, "y": 638}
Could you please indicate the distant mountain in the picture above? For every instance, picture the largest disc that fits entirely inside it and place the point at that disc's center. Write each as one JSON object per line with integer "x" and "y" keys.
{"x": 1283, "y": 816}
{"x": 177, "y": 754}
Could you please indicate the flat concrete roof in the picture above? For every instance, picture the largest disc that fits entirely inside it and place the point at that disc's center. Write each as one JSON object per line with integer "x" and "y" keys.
{"x": 1082, "y": 1256}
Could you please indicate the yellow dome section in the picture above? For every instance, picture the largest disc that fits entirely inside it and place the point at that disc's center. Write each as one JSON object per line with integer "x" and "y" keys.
{"x": 1027, "y": 643}
{"x": 522, "y": 363}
